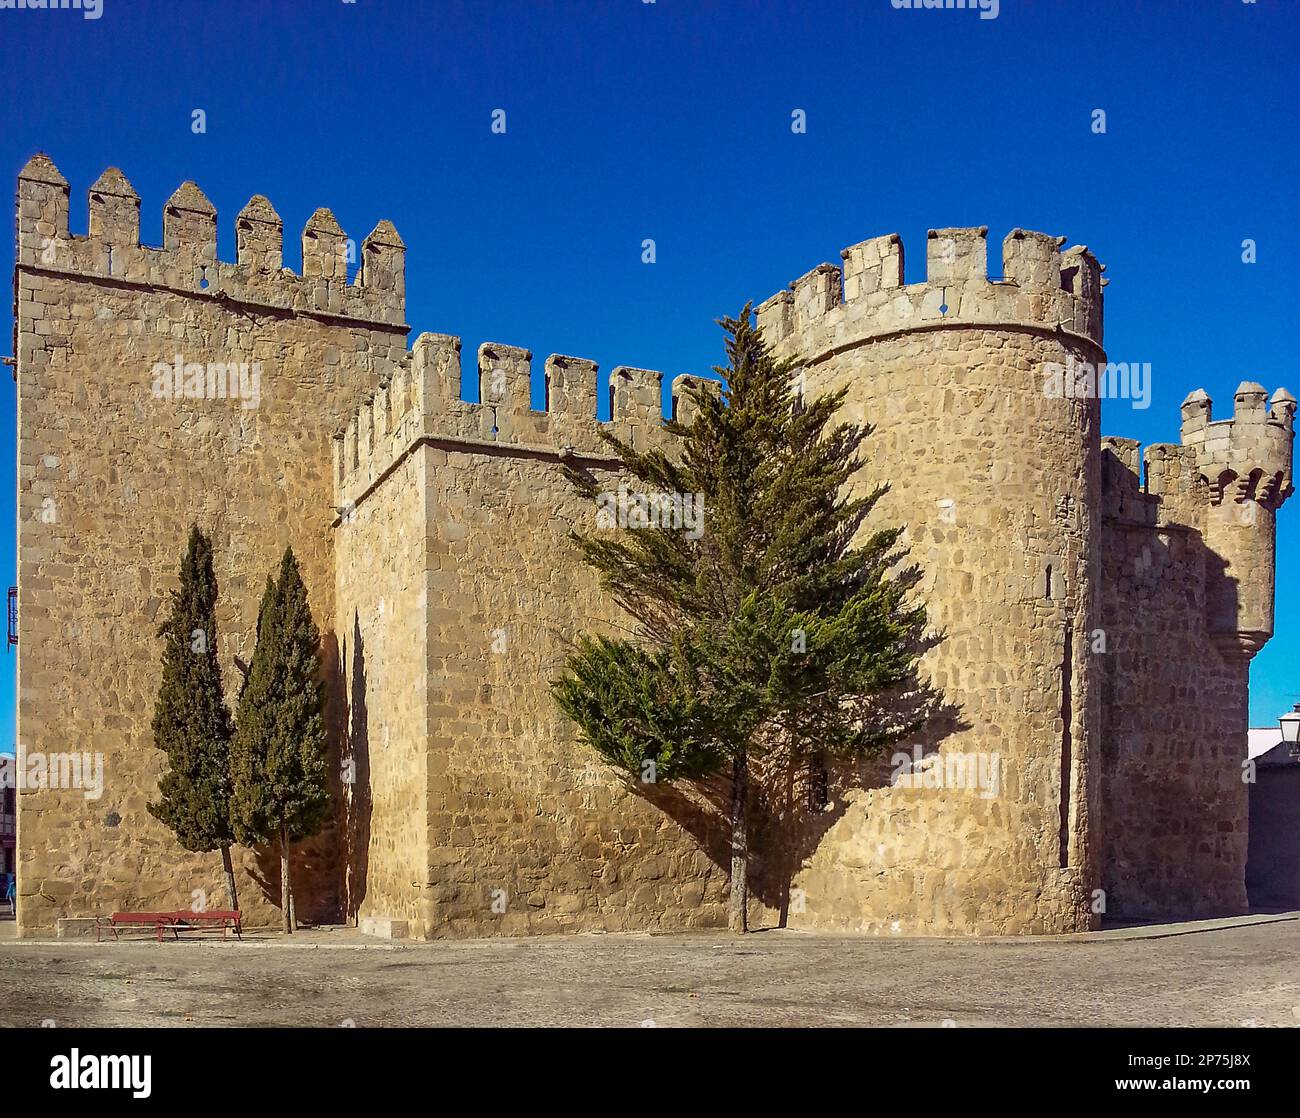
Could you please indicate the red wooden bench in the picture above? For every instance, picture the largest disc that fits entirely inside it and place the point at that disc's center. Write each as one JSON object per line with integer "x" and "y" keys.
{"x": 225, "y": 919}
{"x": 176, "y": 922}
{"x": 155, "y": 920}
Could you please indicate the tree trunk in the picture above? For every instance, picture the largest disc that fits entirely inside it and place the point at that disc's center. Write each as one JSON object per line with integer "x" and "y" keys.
{"x": 230, "y": 877}
{"x": 787, "y": 860}
{"x": 286, "y": 892}
{"x": 737, "y": 915}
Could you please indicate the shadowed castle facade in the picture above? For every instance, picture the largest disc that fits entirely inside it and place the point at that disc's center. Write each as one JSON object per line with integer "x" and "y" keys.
{"x": 1098, "y": 611}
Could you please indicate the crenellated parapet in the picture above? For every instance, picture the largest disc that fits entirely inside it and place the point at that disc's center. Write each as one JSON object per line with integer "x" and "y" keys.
{"x": 1124, "y": 497}
{"x": 421, "y": 402}
{"x": 1043, "y": 287}
{"x": 1227, "y": 478}
{"x": 187, "y": 261}
{"x": 1247, "y": 457}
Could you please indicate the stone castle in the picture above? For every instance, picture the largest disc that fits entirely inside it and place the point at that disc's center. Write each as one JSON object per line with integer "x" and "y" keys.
{"x": 1098, "y": 610}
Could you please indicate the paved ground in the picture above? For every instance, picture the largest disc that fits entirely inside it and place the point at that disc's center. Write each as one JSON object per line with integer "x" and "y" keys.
{"x": 1230, "y": 977}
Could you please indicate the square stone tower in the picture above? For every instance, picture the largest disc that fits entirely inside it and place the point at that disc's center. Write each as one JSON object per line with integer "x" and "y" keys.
{"x": 131, "y": 426}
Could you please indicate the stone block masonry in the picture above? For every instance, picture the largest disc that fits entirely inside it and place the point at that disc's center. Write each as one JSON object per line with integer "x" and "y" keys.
{"x": 475, "y": 812}
{"x": 111, "y": 474}
{"x": 1097, "y": 628}
{"x": 434, "y": 539}
{"x": 998, "y": 484}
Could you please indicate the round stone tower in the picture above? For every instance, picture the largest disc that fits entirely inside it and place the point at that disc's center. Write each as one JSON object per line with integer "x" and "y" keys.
{"x": 986, "y": 429}
{"x": 1245, "y": 464}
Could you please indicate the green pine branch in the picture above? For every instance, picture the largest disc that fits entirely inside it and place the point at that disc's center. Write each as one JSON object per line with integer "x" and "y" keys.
{"x": 783, "y": 630}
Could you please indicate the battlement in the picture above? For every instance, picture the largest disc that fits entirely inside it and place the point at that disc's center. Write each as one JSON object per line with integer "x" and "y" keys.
{"x": 187, "y": 260}
{"x": 1123, "y": 495}
{"x": 421, "y": 401}
{"x": 1245, "y": 458}
{"x": 1042, "y": 286}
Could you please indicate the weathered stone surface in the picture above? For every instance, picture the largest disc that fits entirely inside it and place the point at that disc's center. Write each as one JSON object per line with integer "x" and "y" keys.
{"x": 113, "y": 469}
{"x": 383, "y": 928}
{"x": 77, "y": 927}
{"x": 1097, "y": 633}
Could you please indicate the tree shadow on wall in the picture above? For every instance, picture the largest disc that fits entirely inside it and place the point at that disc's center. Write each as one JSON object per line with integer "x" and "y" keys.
{"x": 793, "y": 804}
{"x": 359, "y": 805}
{"x": 314, "y": 862}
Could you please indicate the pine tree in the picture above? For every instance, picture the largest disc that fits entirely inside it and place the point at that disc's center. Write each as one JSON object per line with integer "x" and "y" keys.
{"x": 191, "y": 722}
{"x": 771, "y": 636}
{"x": 279, "y": 750}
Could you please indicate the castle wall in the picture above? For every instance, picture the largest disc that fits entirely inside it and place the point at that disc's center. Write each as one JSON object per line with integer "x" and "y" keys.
{"x": 434, "y": 538}
{"x": 111, "y": 474}
{"x": 381, "y": 627}
{"x": 525, "y": 829}
{"x": 1174, "y": 735}
{"x": 999, "y": 494}
{"x": 516, "y": 803}
{"x": 1187, "y": 600}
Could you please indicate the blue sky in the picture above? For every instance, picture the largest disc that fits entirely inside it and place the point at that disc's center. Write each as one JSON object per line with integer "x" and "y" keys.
{"x": 671, "y": 120}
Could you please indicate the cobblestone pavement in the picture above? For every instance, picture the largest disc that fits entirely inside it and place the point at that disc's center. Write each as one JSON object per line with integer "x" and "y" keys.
{"x": 1227, "y": 977}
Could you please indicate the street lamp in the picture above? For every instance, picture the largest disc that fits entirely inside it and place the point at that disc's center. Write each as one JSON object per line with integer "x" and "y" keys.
{"x": 1290, "y": 724}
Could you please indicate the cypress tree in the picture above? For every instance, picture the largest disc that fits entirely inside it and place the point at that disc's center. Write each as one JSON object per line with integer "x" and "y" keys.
{"x": 279, "y": 749}
{"x": 782, "y": 632}
{"x": 191, "y": 722}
